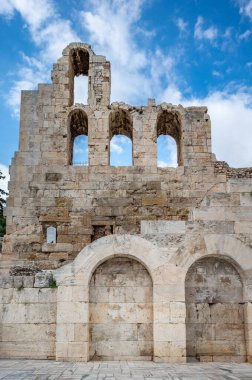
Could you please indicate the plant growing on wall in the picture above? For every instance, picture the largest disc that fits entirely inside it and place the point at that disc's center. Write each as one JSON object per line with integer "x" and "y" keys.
{"x": 2, "y": 204}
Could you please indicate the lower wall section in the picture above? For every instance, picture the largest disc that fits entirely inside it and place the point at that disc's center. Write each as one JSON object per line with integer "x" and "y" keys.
{"x": 28, "y": 323}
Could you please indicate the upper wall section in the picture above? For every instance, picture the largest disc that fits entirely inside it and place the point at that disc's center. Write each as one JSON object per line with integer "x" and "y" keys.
{"x": 79, "y": 59}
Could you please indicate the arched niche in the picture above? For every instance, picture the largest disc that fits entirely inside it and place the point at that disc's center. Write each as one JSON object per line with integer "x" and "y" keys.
{"x": 120, "y": 311}
{"x": 215, "y": 326}
{"x": 77, "y": 126}
{"x": 169, "y": 123}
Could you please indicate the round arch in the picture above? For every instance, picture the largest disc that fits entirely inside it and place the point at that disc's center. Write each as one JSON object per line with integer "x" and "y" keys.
{"x": 215, "y": 311}
{"x": 72, "y": 337}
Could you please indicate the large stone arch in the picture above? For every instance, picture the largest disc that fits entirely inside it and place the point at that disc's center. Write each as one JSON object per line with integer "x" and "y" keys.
{"x": 215, "y": 318}
{"x": 72, "y": 340}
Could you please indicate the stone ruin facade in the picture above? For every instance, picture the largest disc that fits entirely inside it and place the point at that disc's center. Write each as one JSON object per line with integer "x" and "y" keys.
{"x": 122, "y": 263}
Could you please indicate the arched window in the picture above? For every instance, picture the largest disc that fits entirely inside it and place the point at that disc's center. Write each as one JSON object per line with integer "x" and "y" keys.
{"x": 121, "y": 138}
{"x": 78, "y": 138}
{"x": 169, "y": 152}
{"x": 79, "y": 68}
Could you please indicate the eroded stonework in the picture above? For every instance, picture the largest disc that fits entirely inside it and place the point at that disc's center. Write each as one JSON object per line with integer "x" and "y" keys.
{"x": 139, "y": 262}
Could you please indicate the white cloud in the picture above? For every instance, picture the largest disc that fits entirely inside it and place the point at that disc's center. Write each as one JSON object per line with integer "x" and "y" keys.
{"x": 181, "y": 24}
{"x": 117, "y": 40}
{"x": 246, "y": 7}
{"x": 231, "y": 116}
{"x": 34, "y": 12}
{"x": 116, "y": 144}
{"x": 49, "y": 32}
{"x": 6, "y": 8}
{"x": 4, "y": 182}
{"x": 216, "y": 74}
{"x": 245, "y": 35}
{"x": 162, "y": 164}
{"x": 200, "y": 33}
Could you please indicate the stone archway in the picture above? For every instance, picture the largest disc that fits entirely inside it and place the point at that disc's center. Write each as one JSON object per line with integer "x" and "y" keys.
{"x": 215, "y": 327}
{"x": 121, "y": 311}
{"x": 73, "y": 303}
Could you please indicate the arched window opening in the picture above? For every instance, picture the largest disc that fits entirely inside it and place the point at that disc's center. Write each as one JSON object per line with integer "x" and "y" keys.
{"x": 121, "y": 138}
{"x": 78, "y": 138}
{"x": 79, "y": 68}
{"x": 51, "y": 235}
{"x": 169, "y": 140}
{"x": 166, "y": 152}
{"x": 215, "y": 326}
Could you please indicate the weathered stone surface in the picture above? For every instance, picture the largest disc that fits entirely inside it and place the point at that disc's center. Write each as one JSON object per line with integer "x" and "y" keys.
{"x": 43, "y": 279}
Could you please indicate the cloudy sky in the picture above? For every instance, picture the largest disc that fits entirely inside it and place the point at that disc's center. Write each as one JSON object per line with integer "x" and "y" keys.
{"x": 190, "y": 52}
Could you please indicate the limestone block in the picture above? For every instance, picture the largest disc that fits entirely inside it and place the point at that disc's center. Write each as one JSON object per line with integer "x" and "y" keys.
{"x": 162, "y": 227}
{"x": 65, "y": 332}
{"x": 18, "y": 281}
{"x": 169, "y": 332}
{"x": 28, "y": 281}
{"x": 165, "y": 293}
{"x": 31, "y": 350}
{"x": 178, "y": 312}
{"x": 77, "y": 351}
{"x": 43, "y": 279}
{"x": 29, "y": 313}
{"x": 6, "y": 282}
{"x": 31, "y": 332}
{"x": 114, "y": 332}
{"x": 81, "y": 332}
{"x": 76, "y": 312}
{"x": 162, "y": 312}
{"x": 243, "y": 227}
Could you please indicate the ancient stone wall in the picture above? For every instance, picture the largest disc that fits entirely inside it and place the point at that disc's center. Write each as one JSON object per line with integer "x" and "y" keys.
{"x": 28, "y": 307}
{"x": 84, "y": 229}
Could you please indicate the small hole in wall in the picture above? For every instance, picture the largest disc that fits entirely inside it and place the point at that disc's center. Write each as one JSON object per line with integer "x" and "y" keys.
{"x": 51, "y": 235}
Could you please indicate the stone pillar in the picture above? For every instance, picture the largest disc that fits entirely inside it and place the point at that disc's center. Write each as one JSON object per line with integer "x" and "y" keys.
{"x": 72, "y": 323}
{"x": 144, "y": 138}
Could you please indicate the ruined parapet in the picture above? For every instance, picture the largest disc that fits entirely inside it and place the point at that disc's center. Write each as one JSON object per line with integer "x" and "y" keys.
{"x": 222, "y": 167}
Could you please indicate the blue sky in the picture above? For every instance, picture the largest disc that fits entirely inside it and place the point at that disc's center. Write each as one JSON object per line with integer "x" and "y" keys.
{"x": 189, "y": 52}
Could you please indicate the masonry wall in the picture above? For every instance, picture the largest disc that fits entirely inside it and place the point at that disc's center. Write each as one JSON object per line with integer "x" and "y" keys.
{"x": 28, "y": 318}
{"x": 164, "y": 218}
